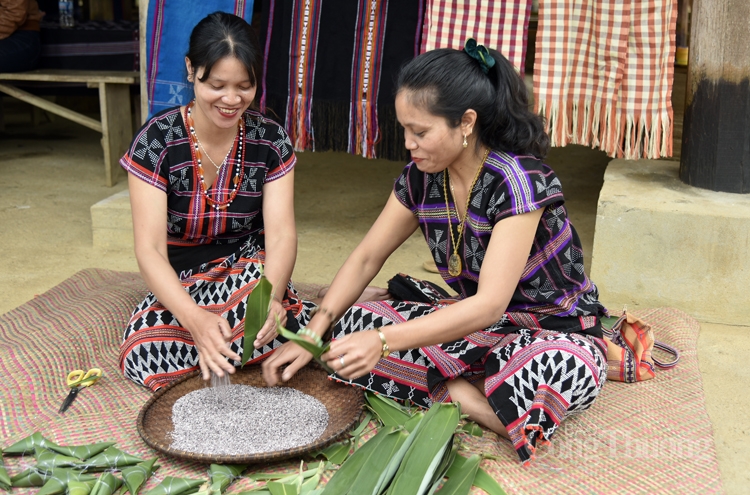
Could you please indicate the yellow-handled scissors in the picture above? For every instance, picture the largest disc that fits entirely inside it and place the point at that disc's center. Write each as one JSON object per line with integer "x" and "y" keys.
{"x": 78, "y": 379}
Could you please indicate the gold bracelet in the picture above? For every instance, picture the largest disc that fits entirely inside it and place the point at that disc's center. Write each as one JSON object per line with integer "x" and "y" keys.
{"x": 385, "y": 351}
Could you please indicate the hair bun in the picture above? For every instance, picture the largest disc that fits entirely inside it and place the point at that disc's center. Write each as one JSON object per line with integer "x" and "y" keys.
{"x": 479, "y": 53}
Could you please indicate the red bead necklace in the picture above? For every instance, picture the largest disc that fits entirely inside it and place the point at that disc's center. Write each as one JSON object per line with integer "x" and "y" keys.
{"x": 195, "y": 152}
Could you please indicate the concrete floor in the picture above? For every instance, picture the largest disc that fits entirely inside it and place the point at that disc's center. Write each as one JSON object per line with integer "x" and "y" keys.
{"x": 51, "y": 174}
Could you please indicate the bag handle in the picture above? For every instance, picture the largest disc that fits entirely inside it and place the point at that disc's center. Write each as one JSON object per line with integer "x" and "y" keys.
{"x": 609, "y": 332}
{"x": 668, "y": 349}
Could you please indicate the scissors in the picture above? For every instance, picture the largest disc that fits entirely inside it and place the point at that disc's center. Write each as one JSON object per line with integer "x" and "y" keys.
{"x": 77, "y": 380}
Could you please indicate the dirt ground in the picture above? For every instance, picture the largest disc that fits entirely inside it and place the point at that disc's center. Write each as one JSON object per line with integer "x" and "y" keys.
{"x": 52, "y": 173}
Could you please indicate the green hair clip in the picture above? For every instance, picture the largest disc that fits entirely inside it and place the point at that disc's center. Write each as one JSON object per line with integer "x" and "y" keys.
{"x": 480, "y": 53}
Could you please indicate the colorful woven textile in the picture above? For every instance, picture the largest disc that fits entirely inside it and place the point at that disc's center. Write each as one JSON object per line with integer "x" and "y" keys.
{"x": 330, "y": 69}
{"x": 168, "y": 29}
{"x": 603, "y": 74}
{"x": 653, "y": 437}
{"x": 500, "y": 25}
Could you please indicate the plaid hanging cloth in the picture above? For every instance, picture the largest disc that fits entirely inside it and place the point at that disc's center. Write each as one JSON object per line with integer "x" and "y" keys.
{"x": 168, "y": 29}
{"x": 503, "y": 26}
{"x": 330, "y": 70}
{"x": 603, "y": 74}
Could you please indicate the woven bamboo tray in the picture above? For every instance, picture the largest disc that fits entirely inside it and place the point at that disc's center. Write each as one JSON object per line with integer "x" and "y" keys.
{"x": 343, "y": 403}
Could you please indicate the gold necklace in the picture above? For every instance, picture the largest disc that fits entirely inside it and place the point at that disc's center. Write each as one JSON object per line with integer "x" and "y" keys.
{"x": 454, "y": 261}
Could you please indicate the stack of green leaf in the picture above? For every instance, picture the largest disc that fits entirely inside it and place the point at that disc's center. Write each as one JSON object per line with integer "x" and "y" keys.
{"x": 67, "y": 469}
{"x": 412, "y": 453}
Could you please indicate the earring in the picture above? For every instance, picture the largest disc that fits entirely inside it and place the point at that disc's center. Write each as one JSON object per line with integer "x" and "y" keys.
{"x": 465, "y": 143}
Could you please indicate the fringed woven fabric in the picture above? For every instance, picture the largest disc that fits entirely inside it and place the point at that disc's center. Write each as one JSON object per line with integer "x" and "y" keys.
{"x": 310, "y": 45}
{"x": 603, "y": 74}
{"x": 168, "y": 29}
{"x": 500, "y": 25}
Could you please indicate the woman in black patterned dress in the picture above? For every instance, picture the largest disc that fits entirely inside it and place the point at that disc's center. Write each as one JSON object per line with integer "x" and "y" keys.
{"x": 211, "y": 189}
{"x": 520, "y": 346}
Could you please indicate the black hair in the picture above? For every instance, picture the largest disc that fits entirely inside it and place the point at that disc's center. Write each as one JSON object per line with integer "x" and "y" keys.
{"x": 220, "y": 35}
{"x": 447, "y": 82}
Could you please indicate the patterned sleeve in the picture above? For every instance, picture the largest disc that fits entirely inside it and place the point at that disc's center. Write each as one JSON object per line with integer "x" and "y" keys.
{"x": 281, "y": 158}
{"x": 147, "y": 156}
{"x": 408, "y": 186}
{"x": 524, "y": 185}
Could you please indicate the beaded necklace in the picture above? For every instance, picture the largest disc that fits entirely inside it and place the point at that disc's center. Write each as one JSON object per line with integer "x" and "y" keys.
{"x": 195, "y": 152}
{"x": 454, "y": 261}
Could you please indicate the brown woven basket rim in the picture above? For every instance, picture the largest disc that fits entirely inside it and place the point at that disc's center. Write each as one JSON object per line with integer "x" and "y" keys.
{"x": 354, "y": 393}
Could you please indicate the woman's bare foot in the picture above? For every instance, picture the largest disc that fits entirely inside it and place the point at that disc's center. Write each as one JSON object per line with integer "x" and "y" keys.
{"x": 474, "y": 403}
{"x": 371, "y": 293}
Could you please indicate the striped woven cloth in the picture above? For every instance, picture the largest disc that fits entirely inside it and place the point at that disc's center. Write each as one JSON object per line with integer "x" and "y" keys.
{"x": 330, "y": 69}
{"x": 499, "y": 25}
{"x": 603, "y": 74}
{"x": 653, "y": 437}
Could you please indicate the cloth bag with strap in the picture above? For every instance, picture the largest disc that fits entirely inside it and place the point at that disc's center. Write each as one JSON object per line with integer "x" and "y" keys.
{"x": 630, "y": 345}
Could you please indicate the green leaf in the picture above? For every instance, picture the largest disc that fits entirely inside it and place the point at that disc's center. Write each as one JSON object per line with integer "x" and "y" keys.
{"x": 481, "y": 479}
{"x": 256, "y": 313}
{"x": 111, "y": 458}
{"x": 175, "y": 486}
{"x": 136, "y": 476}
{"x": 29, "y": 477}
{"x": 26, "y": 445}
{"x": 445, "y": 464}
{"x": 311, "y": 484}
{"x": 79, "y": 487}
{"x": 371, "y": 396}
{"x": 472, "y": 428}
{"x": 82, "y": 452}
{"x": 57, "y": 480}
{"x": 313, "y": 349}
{"x": 269, "y": 476}
{"x": 338, "y": 452}
{"x": 487, "y": 483}
{"x": 460, "y": 483}
{"x": 433, "y": 436}
{"x": 362, "y": 425}
{"x": 106, "y": 484}
{"x": 343, "y": 480}
{"x": 414, "y": 421}
{"x": 369, "y": 478}
{"x": 223, "y": 474}
{"x": 46, "y": 459}
{"x": 277, "y": 488}
{"x": 388, "y": 413}
{"x": 4, "y": 477}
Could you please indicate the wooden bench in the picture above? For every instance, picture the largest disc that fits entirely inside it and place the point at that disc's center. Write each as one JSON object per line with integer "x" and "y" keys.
{"x": 116, "y": 123}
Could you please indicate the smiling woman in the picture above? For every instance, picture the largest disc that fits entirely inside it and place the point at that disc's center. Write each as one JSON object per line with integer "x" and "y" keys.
{"x": 201, "y": 179}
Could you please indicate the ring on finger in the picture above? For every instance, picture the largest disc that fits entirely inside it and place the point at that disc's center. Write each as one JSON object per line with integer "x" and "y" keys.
{"x": 341, "y": 360}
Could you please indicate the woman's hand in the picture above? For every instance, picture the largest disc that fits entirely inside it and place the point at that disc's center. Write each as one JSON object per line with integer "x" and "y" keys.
{"x": 355, "y": 355}
{"x": 211, "y": 334}
{"x": 268, "y": 332}
{"x": 289, "y": 354}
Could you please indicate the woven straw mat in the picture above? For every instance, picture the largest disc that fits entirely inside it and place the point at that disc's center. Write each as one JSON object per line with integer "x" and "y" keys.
{"x": 650, "y": 437}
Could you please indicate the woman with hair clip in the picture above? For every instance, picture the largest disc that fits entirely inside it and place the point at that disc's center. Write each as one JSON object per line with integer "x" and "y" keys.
{"x": 520, "y": 347}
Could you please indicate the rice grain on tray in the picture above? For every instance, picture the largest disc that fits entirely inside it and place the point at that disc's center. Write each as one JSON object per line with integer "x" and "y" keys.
{"x": 243, "y": 420}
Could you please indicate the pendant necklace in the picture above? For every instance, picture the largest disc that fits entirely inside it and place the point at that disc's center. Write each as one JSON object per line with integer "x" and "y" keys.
{"x": 218, "y": 167}
{"x": 454, "y": 261}
{"x": 195, "y": 151}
